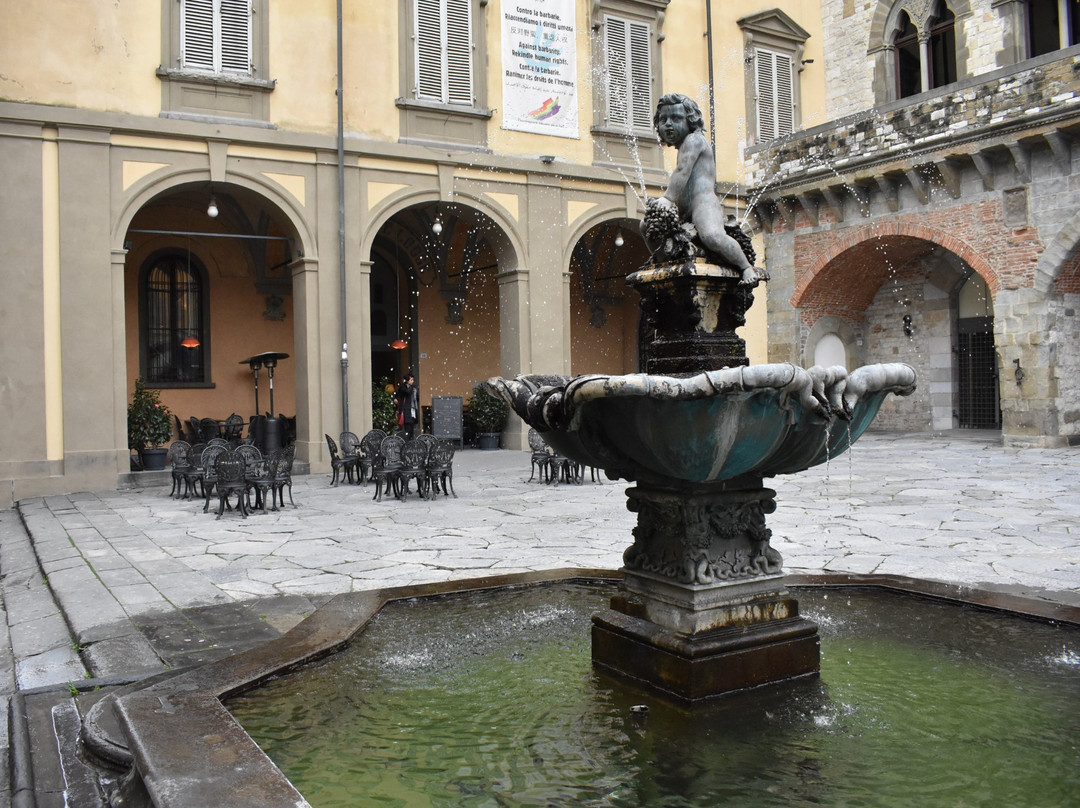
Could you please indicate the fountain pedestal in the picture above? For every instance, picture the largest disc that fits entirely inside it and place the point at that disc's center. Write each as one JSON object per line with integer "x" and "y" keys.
{"x": 703, "y": 610}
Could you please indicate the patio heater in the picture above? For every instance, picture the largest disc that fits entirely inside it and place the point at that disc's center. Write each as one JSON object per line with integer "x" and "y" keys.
{"x": 268, "y": 439}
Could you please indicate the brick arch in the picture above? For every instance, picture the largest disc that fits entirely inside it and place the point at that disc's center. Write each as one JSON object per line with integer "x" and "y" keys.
{"x": 848, "y": 271}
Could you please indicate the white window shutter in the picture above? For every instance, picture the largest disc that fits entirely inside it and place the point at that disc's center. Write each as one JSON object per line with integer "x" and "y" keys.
{"x": 197, "y": 35}
{"x": 429, "y": 62}
{"x": 444, "y": 50}
{"x": 618, "y": 104}
{"x": 774, "y": 78}
{"x": 640, "y": 76}
{"x": 236, "y": 36}
{"x": 459, "y": 80}
{"x": 628, "y": 59}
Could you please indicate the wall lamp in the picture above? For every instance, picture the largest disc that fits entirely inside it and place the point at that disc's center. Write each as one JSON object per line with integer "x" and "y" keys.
{"x": 909, "y": 329}
{"x": 1018, "y": 374}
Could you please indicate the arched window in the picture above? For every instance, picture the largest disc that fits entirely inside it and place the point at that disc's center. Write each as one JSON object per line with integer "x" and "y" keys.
{"x": 927, "y": 61}
{"x": 174, "y": 326}
{"x": 908, "y": 61}
{"x": 943, "y": 48}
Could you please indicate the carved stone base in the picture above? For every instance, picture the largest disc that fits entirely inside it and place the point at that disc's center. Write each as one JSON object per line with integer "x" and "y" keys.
{"x": 694, "y": 668}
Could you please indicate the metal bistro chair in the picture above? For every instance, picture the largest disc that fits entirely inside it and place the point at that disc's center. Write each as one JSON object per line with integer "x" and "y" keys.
{"x": 180, "y": 460}
{"x": 386, "y": 466}
{"x": 369, "y": 449}
{"x": 260, "y": 480}
{"x": 350, "y": 455}
{"x": 230, "y": 473}
{"x": 208, "y": 481}
{"x": 209, "y": 429}
{"x": 337, "y": 462}
{"x": 440, "y": 468}
{"x": 541, "y": 455}
{"x": 194, "y": 472}
{"x": 414, "y": 460}
{"x": 234, "y": 429}
{"x": 283, "y": 476}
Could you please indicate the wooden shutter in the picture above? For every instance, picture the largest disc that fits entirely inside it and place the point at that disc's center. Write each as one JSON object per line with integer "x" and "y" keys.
{"x": 618, "y": 104}
{"x": 197, "y": 35}
{"x": 443, "y": 36}
{"x": 629, "y": 75}
{"x": 459, "y": 85}
{"x": 236, "y": 36}
{"x": 640, "y": 76}
{"x": 215, "y": 36}
{"x": 775, "y": 94}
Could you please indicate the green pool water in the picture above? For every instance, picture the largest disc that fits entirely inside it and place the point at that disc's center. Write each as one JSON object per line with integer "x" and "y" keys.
{"x": 490, "y": 700}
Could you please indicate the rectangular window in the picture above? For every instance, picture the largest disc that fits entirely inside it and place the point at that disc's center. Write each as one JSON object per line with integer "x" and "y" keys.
{"x": 444, "y": 51}
{"x": 628, "y": 60}
{"x": 774, "y": 77}
{"x": 215, "y": 36}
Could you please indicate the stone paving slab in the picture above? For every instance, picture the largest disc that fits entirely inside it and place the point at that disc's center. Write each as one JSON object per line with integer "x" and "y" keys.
{"x": 957, "y": 508}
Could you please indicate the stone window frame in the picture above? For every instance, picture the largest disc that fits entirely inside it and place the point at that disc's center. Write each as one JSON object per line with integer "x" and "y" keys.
{"x": 610, "y": 146}
{"x": 428, "y": 122}
{"x": 202, "y": 96}
{"x": 196, "y": 268}
{"x": 1016, "y": 16}
{"x": 775, "y": 33}
{"x": 923, "y": 14}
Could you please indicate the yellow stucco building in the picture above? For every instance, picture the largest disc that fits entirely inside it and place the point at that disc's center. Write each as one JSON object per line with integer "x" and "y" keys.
{"x": 182, "y": 191}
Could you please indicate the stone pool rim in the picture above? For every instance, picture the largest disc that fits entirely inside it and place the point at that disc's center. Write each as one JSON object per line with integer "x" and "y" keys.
{"x": 187, "y": 750}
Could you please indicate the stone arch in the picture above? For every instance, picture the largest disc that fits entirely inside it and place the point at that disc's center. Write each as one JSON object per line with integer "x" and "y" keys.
{"x": 1057, "y": 268}
{"x": 905, "y": 240}
{"x": 508, "y": 241}
{"x": 141, "y": 193}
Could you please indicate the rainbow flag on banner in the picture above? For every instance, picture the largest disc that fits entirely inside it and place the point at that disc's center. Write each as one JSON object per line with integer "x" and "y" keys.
{"x": 546, "y": 110}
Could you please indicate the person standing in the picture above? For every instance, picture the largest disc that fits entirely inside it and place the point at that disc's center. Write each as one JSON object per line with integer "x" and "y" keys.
{"x": 408, "y": 402}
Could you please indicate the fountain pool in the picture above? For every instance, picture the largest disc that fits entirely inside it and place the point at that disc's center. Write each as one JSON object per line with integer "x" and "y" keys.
{"x": 490, "y": 698}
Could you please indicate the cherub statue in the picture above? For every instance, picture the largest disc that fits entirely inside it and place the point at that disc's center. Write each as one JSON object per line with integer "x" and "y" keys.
{"x": 691, "y": 198}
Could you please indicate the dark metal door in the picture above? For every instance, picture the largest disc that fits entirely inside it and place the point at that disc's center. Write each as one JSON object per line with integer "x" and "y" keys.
{"x": 979, "y": 405}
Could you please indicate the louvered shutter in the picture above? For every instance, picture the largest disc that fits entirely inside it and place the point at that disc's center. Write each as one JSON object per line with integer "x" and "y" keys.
{"x": 236, "y": 36}
{"x": 618, "y": 107}
{"x": 197, "y": 35}
{"x": 428, "y": 36}
{"x": 459, "y": 86}
{"x": 640, "y": 76}
{"x": 215, "y": 36}
{"x": 629, "y": 74}
{"x": 775, "y": 94}
{"x": 443, "y": 36}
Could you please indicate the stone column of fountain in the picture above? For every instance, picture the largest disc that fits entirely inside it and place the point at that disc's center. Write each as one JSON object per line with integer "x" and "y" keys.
{"x": 703, "y": 609}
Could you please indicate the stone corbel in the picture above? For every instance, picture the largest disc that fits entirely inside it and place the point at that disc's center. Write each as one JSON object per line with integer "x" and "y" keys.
{"x": 1022, "y": 161}
{"x": 918, "y": 184}
{"x": 810, "y": 206}
{"x": 835, "y": 200}
{"x": 862, "y": 195}
{"x": 985, "y": 169}
{"x": 889, "y": 192}
{"x": 949, "y": 173}
{"x": 1062, "y": 150}
{"x": 788, "y": 212}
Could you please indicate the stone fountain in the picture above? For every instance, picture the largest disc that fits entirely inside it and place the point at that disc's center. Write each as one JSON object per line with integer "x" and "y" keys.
{"x": 702, "y": 609}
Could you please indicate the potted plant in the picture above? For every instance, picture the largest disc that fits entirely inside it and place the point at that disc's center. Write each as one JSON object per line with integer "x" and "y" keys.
{"x": 487, "y": 416}
{"x": 149, "y": 427}
{"x": 383, "y": 413}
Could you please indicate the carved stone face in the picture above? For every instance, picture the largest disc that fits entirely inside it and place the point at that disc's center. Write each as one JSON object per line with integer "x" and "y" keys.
{"x": 672, "y": 124}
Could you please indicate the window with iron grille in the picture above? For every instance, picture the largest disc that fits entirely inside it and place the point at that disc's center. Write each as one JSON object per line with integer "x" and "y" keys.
{"x": 174, "y": 320}
{"x": 215, "y": 36}
{"x": 444, "y": 51}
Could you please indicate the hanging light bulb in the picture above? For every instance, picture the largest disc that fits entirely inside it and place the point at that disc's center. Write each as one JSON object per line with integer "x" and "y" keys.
{"x": 436, "y": 228}
{"x": 212, "y": 209}
{"x": 619, "y": 240}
